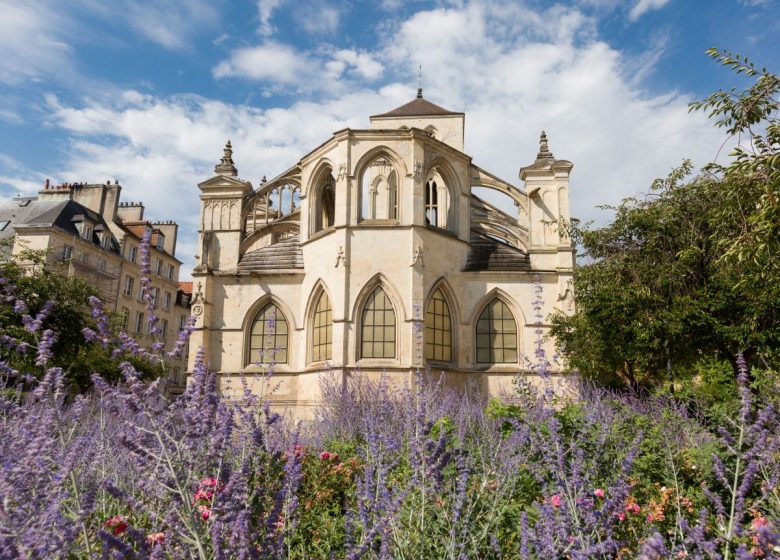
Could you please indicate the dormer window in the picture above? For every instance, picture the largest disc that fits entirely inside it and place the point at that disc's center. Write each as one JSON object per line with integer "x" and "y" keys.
{"x": 160, "y": 241}
{"x": 86, "y": 231}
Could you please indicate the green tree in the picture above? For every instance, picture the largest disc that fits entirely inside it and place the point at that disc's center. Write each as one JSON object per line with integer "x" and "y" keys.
{"x": 36, "y": 282}
{"x": 690, "y": 270}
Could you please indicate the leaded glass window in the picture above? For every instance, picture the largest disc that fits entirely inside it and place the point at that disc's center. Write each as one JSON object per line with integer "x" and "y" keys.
{"x": 322, "y": 330}
{"x": 438, "y": 329}
{"x": 496, "y": 334}
{"x": 378, "y": 327}
{"x": 269, "y": 337}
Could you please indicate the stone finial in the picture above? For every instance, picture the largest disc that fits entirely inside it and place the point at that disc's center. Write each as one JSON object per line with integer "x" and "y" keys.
{"x": 226, "y": 165}
{"x": 544, "y": 150}
{"x": 419, "y": 93}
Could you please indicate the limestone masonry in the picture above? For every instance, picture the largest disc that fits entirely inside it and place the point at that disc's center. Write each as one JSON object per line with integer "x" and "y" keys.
{"x": 373, "y": 253}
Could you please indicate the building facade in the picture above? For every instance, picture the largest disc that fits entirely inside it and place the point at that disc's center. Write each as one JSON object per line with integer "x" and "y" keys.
{"x": 373, "y": 253}
{"x": 90, "y": 234}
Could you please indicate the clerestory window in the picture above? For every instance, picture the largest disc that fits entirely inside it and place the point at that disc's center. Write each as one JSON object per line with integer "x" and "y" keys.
{"x": 431, "y": 203}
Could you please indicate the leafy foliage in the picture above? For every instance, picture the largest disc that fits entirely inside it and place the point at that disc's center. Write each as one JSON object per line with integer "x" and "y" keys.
{"x": 689, "y": 271}
{"x": 39, "y": 284}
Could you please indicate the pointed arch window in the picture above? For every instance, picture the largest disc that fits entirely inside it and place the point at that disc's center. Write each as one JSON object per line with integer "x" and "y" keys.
{"x": 392, "y": 196}
{"x": 326, "y": 212}
{"x": 269, "y": 336}
{"x": 378, "y": 326}
{"x": 322, "y": 330}
{"x": 438, "y": 329}
{"x": 496, "y": 334}
{"x": 379, "y": 190}
{"x": 431, "y": 203}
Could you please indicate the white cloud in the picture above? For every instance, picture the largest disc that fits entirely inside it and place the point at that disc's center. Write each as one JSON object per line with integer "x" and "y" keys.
{"x": 512, "y": 70}
{"x": 644, "y": 6}
{"x": 271, "y": 62}
{"x": 279, "y": 66}
{"x": 265, "y": 11}
{"x": 318, "y": 18}
{"x": 171, "y": 23}
{"x": 30, "y": 42}
{"x": 363, "y": 63}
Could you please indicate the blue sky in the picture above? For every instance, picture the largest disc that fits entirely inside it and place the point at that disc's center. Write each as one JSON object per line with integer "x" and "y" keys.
{"x": 148, "y": 92}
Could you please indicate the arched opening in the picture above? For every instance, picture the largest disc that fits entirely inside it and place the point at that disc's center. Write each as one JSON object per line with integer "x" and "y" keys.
{"x": 438, "y": 328}
{"x": 326, "y": 204}
{"x": 496, "y": 334}
{"x": 379, "y": 191}
{"x": 322, "y": 330}
{"x": 431, "y": 203}
{"x": 268, "y": 339}
{"x": 377, "y": 326}
{"x": 438, "y": 205}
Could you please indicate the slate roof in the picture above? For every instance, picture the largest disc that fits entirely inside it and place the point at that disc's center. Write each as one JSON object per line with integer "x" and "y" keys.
{"x": 418, "y": 107}
{"x": 486, "y": 253}
{"x": 279, "y": 256}
{"x": 63, "y": 214}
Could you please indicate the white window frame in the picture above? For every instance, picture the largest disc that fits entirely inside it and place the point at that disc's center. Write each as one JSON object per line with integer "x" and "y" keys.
{"x": 129, "y": 285}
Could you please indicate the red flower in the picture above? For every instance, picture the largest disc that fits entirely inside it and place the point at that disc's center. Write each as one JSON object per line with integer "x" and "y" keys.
{"x": 555, "y": 500}
{"x": 117, "y": 524}
{"x": 324, "y": 455}
{"x": 205, "y": 512}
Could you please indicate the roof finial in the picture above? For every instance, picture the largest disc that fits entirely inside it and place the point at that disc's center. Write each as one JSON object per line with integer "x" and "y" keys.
{"x": 419, "y": 82}
{"x": 544, "y": 150}
{"x": 226, "y": 165}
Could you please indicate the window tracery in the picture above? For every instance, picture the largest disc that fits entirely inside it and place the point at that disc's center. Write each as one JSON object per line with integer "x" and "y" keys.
{"x": 322, "y": 330}
{"x": 438, "y": 328}
{"x": 496, "y": 334}
{"x": 268, "y": 341}
{"x": 377, "y": 326}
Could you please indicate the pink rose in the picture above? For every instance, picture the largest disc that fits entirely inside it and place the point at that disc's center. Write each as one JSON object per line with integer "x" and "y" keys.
{"x": 621, "y": 516}
{"x": 599, "y": 493}
{"x": 205, "y": 512}
{"x": 324, "y": 455}
{"x": 209, "y": 481}
{"x": 555, "y": 500}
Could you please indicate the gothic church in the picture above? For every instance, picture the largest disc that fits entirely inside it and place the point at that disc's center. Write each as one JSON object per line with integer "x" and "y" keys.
{"x": 374, "y": 253}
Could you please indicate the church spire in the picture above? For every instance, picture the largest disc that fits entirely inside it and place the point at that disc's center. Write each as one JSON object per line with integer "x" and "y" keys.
{"x": 544, "y": 150}
{"x": 226, "y": 165}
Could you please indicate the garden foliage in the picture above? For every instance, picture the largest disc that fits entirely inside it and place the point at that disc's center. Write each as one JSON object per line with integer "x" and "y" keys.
{"x": 690, "y": 271}
{"x": 382, "y": 471}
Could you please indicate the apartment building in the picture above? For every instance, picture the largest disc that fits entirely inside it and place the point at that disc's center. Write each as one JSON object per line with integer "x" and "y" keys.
{"x": 89, "y": 233}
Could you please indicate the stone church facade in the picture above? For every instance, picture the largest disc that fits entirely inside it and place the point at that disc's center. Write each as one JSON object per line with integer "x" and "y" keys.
{"x": 373, "y": 253}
